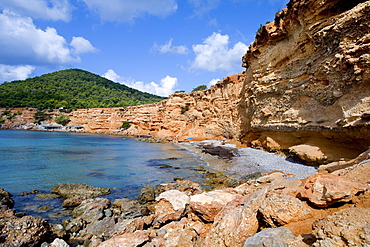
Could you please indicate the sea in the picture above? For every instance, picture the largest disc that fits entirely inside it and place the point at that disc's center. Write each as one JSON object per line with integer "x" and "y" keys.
{"x": 37, "y": 160}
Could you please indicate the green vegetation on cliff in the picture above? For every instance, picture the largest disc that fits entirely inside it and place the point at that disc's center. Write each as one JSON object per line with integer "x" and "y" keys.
{"x": 71, "y": 89}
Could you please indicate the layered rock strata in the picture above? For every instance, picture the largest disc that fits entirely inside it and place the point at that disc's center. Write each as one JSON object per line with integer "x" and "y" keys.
{"x": 305, "y": 90}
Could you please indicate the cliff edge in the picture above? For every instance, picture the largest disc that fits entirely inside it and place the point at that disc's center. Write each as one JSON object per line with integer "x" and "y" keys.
{"x": 304, "y": 92}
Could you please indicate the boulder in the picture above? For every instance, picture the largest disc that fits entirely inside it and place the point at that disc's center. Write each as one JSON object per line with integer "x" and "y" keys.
{"x": 310, "y": 155}
{"x": 347, "y": 227}
{"x": 73, "y": 201}
{"x": 358, "y": 173}
{"x": 91, "y": 210}
{"x": 127, "y": 208}
{"x": 25, "y": 231}
{"x": 277, "y": 237}
{"x": 147, "y": 194}
{"x": 75, "y": 225}
{"x": 208, "y": 204}
{"x": 98, "y": 228}
{"x": 68, "y": 190}
{"x": 181, "y": 234}
{"x": 235, "y": 223}
{"x": 56, "y": 243}
{"x": 279, "y": 209}
{"x": 324, "y": 189}
{"x": 171, "y": 205}
{"x": 137, "y": 238}
{"x": 6, "y": 198}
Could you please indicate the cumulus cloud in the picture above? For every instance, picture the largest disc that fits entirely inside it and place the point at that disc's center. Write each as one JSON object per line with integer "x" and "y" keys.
{"x": 40, "y": 9}
{"x": 213, "y": 82}
{"x": 128, "y": 10}
{"x": 11, "y": 73}
{"x": 23, "y": 43}
{"x": 215, "y": 54}
{"x": 164, "y": 88}
{"x": 169, "y": 48}
{"x": 81, "y": 45}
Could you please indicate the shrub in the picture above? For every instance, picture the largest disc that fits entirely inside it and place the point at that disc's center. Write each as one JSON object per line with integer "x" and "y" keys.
{"x": 184, "y": 109}
{"x": 200, "y": 88}
{"x": 4, "y": 113}
{"x": 125, "y": 125}
{"x": 62, "y": 119}
{"x": 180, "y": 91}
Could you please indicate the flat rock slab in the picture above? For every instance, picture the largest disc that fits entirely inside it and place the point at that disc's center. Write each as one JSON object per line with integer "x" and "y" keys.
{"x": 68, "y": 190}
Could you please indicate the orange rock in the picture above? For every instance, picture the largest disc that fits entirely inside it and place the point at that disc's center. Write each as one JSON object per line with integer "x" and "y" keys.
{"x": 324, "y": 189}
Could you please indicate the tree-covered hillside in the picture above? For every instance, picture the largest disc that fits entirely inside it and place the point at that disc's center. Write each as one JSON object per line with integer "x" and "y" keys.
{"x": 71, "y": 89}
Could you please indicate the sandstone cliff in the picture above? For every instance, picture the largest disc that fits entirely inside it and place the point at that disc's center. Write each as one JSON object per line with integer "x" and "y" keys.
{"x": 305, "y": 90}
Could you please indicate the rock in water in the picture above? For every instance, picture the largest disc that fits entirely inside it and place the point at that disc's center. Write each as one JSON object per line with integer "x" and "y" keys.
{"x": 6, "y": 198}
{"x": 68, "y": 190}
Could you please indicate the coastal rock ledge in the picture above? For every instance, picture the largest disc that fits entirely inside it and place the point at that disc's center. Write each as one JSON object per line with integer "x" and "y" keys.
{"x": 267, "y": 211}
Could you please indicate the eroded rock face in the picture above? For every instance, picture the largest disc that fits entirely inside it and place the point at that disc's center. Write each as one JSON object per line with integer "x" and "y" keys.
{"x": 306, "y": 83}
{"x": 326, "y": 189}
{"x": 348, "y": 227}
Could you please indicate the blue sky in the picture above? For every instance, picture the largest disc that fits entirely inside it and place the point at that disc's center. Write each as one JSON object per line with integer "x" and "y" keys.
{"x": 157, "y": 46}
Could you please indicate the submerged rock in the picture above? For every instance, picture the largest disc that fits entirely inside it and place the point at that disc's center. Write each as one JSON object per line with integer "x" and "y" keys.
{"x": 47, "y": 196}
{"x": 68, "y": 190}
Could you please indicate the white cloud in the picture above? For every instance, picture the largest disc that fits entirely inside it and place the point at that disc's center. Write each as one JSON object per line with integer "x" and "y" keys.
{"x": 169, "y": 48}
{"x": 128, "y": 10}
{"x": 164, "y": 88}
{"x": 111, "y": 75}
{"x": 215, "y": 54}
{"x": 40, "y": 9}
{"x": 213, "y": 82}
{"x": 81, "y": 45}
{"x": 11, "y": 73}
{"x": 23, "y": 43}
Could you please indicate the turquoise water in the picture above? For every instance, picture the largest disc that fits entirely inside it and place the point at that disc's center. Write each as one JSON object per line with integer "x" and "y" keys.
{"x": 40, "y": 160}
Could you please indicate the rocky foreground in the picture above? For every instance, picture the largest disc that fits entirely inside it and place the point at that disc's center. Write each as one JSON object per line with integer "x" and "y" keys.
{"x": 325, "y": 209}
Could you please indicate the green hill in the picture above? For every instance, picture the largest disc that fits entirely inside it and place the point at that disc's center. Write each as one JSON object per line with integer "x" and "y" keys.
{"x": 71, "y": 89}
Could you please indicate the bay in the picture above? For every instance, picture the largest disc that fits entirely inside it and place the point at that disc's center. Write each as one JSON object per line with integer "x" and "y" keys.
{"x": 40, "y": 160}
